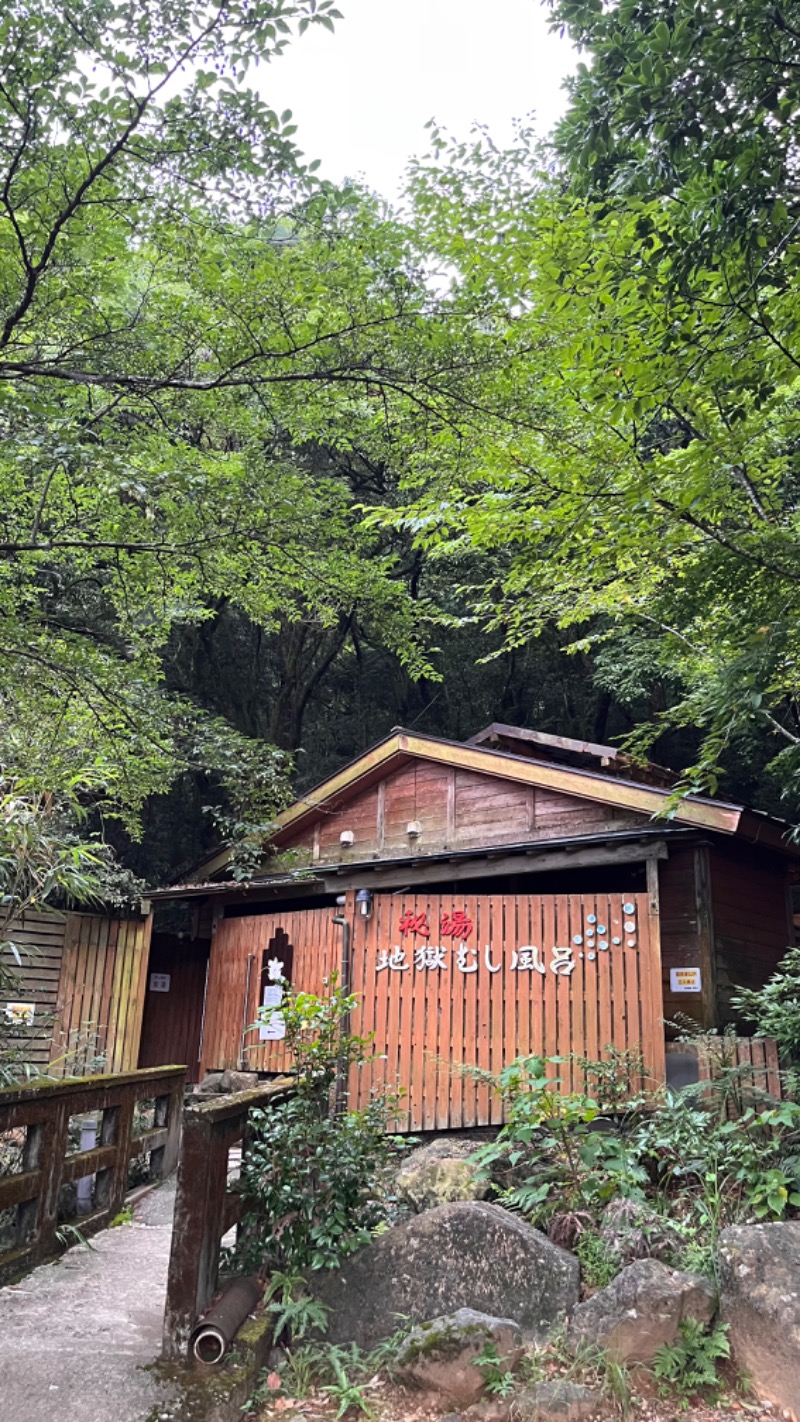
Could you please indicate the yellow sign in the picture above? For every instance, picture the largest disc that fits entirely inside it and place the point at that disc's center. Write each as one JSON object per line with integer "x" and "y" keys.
{"x": 20, "y": 1013}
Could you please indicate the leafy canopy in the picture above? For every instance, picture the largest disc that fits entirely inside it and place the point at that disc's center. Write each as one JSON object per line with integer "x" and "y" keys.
{"x": 638, "y": 487}
{"x": 185, "y": 317}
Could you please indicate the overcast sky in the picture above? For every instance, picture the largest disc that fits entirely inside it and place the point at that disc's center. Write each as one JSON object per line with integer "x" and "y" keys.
{"x": 362, "y": 96}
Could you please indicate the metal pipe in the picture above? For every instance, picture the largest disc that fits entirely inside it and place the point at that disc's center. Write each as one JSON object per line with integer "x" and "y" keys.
{"x": 84, "y": 1188}
{"x": 213, "y": 1335}
{"x": 346, "y": 982}
{"x": 246, "y": 1014}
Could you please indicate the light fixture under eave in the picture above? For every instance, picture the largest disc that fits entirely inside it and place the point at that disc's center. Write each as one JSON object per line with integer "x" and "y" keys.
{"x": 364, "y": 902}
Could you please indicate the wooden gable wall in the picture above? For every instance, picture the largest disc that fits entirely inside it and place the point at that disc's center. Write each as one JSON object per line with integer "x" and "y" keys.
{"x": 457, "y": 809}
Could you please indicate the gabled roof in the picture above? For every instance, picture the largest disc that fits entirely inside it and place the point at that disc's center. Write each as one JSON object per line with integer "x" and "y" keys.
{"x": 401, "y": 747}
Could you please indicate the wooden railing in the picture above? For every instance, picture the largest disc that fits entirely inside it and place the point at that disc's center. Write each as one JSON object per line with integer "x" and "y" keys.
{"x": 205, "y": 1206}
{"x": 35, "y": 1136}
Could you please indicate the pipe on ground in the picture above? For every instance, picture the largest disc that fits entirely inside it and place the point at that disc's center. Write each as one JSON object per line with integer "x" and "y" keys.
{"x": 213, "y": 1335}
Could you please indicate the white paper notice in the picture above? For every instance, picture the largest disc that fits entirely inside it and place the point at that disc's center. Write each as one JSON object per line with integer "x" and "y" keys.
{"x": 273, "y": 1028}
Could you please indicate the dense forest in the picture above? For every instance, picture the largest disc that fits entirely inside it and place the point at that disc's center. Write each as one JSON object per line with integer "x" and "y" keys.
{"x": 282, "y": 467}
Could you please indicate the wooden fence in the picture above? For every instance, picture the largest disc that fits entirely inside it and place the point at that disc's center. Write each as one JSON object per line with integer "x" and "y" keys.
{"x": 101, "y": 993}
{"x": 78, "y": 990}
{"x": 752, "y": 1065}
{"x": 205, "y": 1206}
{"x": 35, "y": 1137}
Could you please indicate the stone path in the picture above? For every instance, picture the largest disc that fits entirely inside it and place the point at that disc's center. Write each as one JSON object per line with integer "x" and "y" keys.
{"x": 76, "y": 1336}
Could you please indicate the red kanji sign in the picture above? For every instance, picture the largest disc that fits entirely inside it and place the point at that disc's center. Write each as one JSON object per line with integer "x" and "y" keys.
{"x": 456, "y": 924}
{"x": 415, "y": 923}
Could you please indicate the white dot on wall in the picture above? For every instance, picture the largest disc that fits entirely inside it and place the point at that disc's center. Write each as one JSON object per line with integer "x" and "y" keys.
{"x": 630, "y": 927}
{"x": 577, "y": 938}
{"x": 591, "y": 956}
{"x": 616, "y": 940}
{"x": 631, "y": 942}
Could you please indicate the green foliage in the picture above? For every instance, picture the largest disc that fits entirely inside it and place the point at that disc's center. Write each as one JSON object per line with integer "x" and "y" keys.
{"x": 343, "y": 1373}
{"x": 701, "y": 1159}
{"x": 775, "y": 1007}
{"x": 345, "y": 1393}
{"x": 68, "y": 1235}
{"x": 313, "y": 1172}
{"x": 689, "y": 1366}
{"x": 207, "y": 362}
{"x": 296, "y": 1313}
{"x": 638, "y": 491}
{"x": 599, "y": 1263}
{"x": 497, "y": 1377}
{"x": 576, "y": 1163}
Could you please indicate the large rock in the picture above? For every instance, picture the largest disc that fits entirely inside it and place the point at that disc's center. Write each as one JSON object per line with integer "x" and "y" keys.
{"x": 466, "y": 1255}
{"x": 641, "y": 1310}
{"x": 440, "y": 1173}
{"x": 759, "y": 1267}
{"x": 439, "y": 1356}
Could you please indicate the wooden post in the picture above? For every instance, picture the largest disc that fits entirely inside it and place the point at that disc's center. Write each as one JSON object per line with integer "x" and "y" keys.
{"x": 204, "y": 1207}
{"x": 659, "y": 1064}
{"x": 705, "y": 938}
{"x": 188, "y": 1261}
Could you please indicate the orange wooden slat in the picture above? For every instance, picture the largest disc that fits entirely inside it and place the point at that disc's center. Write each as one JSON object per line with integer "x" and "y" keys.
{"x": 493, "y": 924}
{"x": 773, "y": 1068}
{"x": 604, "y": 1015}
{"x": 549, "y": 984}
{"x": 478, "y": 1024}
{"x": 585, "y": 1008}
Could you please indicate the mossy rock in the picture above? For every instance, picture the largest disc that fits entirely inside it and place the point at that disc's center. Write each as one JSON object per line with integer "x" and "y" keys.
{"x": 440, "y": 1174}
{"x": 439, "y": 1355}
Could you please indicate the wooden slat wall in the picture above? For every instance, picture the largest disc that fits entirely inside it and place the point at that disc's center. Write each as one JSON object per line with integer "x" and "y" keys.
{"x": 430, "y": 1022}
{"x": 426, "y": 1023}
{"x": 752, "y": 922}
{"x": 232, "y": 1003}
{"x": 456, "y": 809}
{"x": 101, "y": 994}
{"x": 39, "y": 939}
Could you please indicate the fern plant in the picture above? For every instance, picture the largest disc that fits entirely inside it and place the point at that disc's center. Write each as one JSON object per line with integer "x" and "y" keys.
{"x": 689, "y": 1365}
{"x": 295, "y": 1311}
{"x": 498, "y": 1378}
{"x": 344, "y": 1391}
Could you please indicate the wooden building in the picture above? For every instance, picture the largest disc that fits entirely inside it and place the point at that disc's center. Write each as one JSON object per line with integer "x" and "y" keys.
{"x": 518, "y": 893}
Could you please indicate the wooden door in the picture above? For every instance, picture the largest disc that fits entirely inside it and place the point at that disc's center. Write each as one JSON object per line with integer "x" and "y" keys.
{"x": 100, "y": 994}
{"x": 173, "y": 1003}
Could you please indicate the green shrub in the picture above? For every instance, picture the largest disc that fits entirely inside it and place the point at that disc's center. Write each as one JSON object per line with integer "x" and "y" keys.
{"x": 599, "y": 1263}
{"x": 775, "y": 1008}
{"x": 560, "y": 1146}
{"x": 313, "y": 1171}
